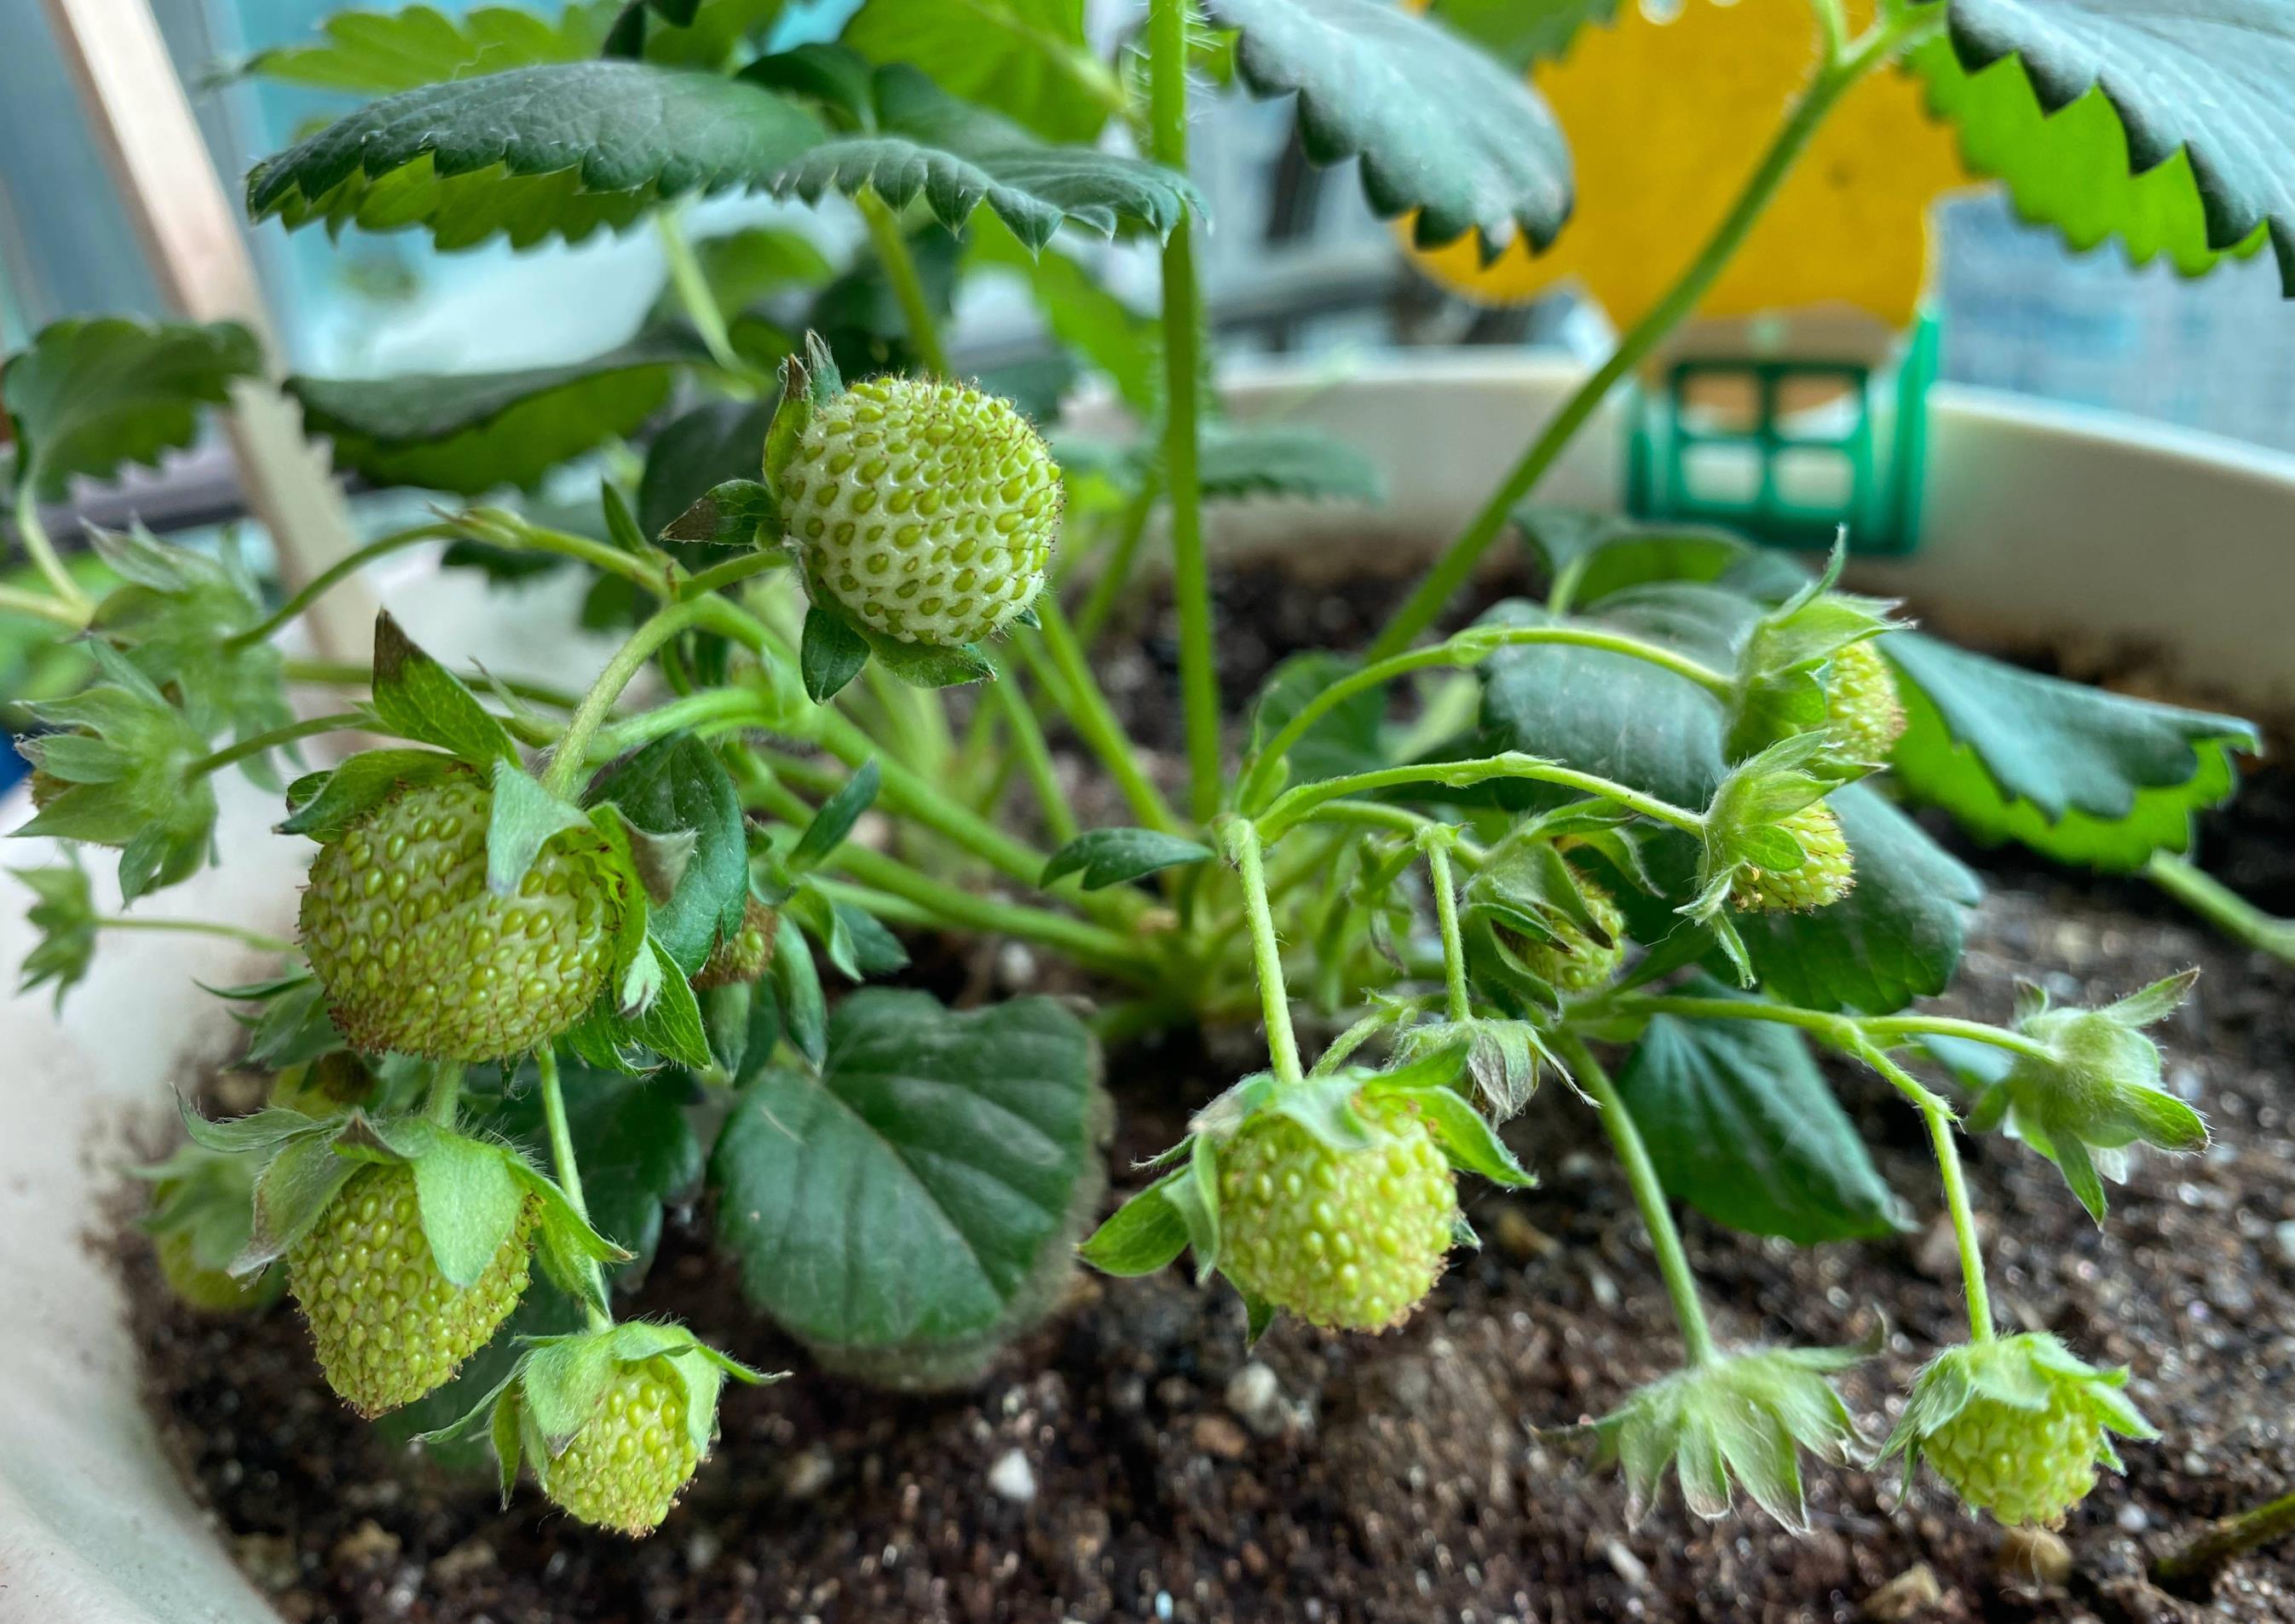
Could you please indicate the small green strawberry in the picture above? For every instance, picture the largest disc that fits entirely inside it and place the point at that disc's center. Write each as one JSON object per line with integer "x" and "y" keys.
{"x": 1576, "y": 963}
{"x": 743, "y": 956}
{"x": 1861, "y": 705}
{"x": 418, "y": 958}
{"x": 202, "y": 1211}
{"x": 625, "y": 1469}
{"x": 1349, "y": 1239}
{"x": 388, "y": 1326}
{"x": 1824, "y": 876}
{"x": 926, "y": 509}
{"x": 2017, "y": 1426}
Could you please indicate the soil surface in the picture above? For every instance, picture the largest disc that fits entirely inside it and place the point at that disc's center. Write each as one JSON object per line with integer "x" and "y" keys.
{"x": 1133, "y": 1460}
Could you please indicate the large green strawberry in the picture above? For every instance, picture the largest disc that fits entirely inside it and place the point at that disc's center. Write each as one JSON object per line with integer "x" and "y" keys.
{"x": 1861, "y": 704}
{"x": 926, "y": 509}
{"x": 1826, "y": 873}
{"x": 1351, "y": 1239}
{"x": 418, "y": 957}
{"x": 625, "y": 1469}
{"x": 388, "y": 1326}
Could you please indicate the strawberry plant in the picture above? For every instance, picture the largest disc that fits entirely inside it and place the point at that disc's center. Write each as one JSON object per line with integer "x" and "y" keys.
{"x": 568, "y": 948}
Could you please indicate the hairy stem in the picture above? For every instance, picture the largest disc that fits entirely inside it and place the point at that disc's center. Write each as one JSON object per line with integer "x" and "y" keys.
{"x": 1036, "y": 761}
{"x": 257, "y": 939}
{"x": 1848, "y": 1032}
{"x": 2220, "y": 906}
{"x": 284, "y": 735}
{"x": 568, "y": 1171}
{"x": 1964, "y": 1222}
{"x": 1294, "y": 807}
{"x": 1842, "y": 68}
{"x": 1649, "y": 1195}
{"x": 445, "y": 1093}
{"x": 335, "y": 573}
{"x": 908, "y": 288}
{"x": 573, "y": 750}
{"x": 1457, "y": 1005}
{"x": 1266, "y": 953}
{"x": 1167, "y": 87}
{"x": 42, "y": 551}
{"x": 16, "y": 600}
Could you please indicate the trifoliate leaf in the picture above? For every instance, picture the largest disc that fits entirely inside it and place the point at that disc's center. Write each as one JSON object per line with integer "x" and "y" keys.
{"x": 563, "y": 149}
{"x": 479, "y": 431}
{"x": 375, "y": 54}
{"x": 913, "y": 140}
{"x": 2168, "y": 124}
{"x": 1438, "y": 127}
{"x": 2073, "y": 771}
{"x": 89, "y": 395}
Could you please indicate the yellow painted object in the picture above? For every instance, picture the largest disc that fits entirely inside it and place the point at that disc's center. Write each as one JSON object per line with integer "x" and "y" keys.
{"x": 1667, "y": 120}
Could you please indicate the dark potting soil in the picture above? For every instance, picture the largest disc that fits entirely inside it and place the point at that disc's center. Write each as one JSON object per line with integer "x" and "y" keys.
{"x": 1132, "y": 1459}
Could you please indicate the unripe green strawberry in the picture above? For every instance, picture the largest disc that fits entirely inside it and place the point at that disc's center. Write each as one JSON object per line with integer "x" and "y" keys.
{"x": 1349, "y": 1239}
{"x": 209, "y": 1290}
{"x": 1576, "y": 963}
{"x": 743, "y": 956}
{"x": 418, "y": 958}
{"x": 926, "y": 509}
{"x": 2022, "y": 1465}
{"x": 1826, "y": 869}
{"x": 1861, "y": 705}
{"x": 387, "y": 1325}
{"x": 625, "y": 1468}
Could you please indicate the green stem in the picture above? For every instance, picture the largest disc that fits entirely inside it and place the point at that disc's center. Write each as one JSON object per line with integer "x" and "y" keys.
{"x": 1078, "y": 695}
{"x": 569, "y": 1170}
{"x": 445, "y": 1093}
{"x": 201, "y": 927}
{"x": 1446, "y": 917}
{"x": 1167, "y": 95}
{"x": 1266, "y": 953}
{"x": 1649, "y": 1195}
{"x": 1036, "y": 760}
{"x": 42, "y": 551}
{"x": 573, "y": 751}
{"x": 1469, "y": 647}
{"x": 655, "y": 574}
{"x": 710, "y": 707}
{"x": 1400, "y": 821}
{"x": 335, "y": 573}
{"x": 2220, "y": 906}
{"x": 272, "y": 740}
{"x": 1841, "y": 69}
{"x": 1116, "y": 572}
{"x": 1294, "y": 805}
{"x": 1354, "y": 1037}
{"x": 1963, "y": 1220}
{"x": 693, "y": 292}
{"x": 717, "y": 577}
{"x": 2194, "y": 1568}
{"x": 908, "y": 288}
{"x": 15, "y": 601}
{"x": 1843, "y": 1031}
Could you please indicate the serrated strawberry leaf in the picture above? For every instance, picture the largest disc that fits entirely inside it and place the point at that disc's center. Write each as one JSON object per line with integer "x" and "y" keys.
{"x": 2076, "y": 772}
{"x": 922, "y": 1190}
{"x": 2168, "y": 124}
{"x": 375, "y": 54}
{"x": 909, "y": 139}
{"x": 1741, "y": 1125}
{"x": 1439, "y": 127}
{"x": 563, "y": 149}
{"x": 473, "y": 432}
{"x": 90, "y": 395}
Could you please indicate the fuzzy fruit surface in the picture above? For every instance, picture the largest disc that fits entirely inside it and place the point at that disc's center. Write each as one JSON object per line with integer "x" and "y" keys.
{"x": 1352, "y": 1240}
{"x": 743, "y": 956}
{"x": 387, "y": 1326}
{"x": 2022, "y": 1465}
{"x": 1577, "y": 963}
{"x": 625, "y": 1469}
{"x": 418, "y": 958}
{"x": 1861, "y": 704}
{"x": 926, "y": 509}
{"x": 1826, "y": 869}
{"x": 211, "y": 1290}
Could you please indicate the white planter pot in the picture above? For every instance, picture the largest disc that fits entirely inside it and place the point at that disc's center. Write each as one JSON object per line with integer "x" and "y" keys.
{"x": 2042, "y": 523}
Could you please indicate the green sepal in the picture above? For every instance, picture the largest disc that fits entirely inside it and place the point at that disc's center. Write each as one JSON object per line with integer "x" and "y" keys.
{"x": 1741, "y": 828}
{"x": 834, "y": 820}
{"x": 830, "y": 653}
{"x": 734, "y": 513}
{"x": 323, "y": 805}
{"x": 1143, "y": 1235}
{"x": 417, "y": 697}
{"x": 1464, "y": 1135}
{"x": 522, "y": 817}
{"x": 63, "y": 914}
{"x": 1780, "y": 685}
{"x": 1504, "y": 1058}
{"x": 207, "y": 1196}
{"x": 796, "y": 990}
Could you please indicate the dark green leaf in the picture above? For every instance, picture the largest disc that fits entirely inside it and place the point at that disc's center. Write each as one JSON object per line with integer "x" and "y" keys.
{"x": 834, "y": 820}
{"x": 1241, "y": 460}
{"x": 876, "y": 950}
{"x": 375, "y": 54}
{"x": 418, "y": 698}
{"x": 1439, "y": 127}
{"x": 1740, "y": 1124}
{"x": 737, "y": 513}
{"x": 474, "y": 432}
{"x": 1108, "y": 857}
{"x": 2168, "y": 124}
{"x": 1029, "y": 59}
{"x": 797, "y": 992}
{"x": 89, "y": 395}
{"x": 831, "y": 654}
{"x": 919, "y": 1191}
{"x": 560, "y": 150}
{"x": 2071, "y": 771}
{"x": 696, "y": 453}
{"x": 920, "y": 141}
{"x": 677, "y": 784}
